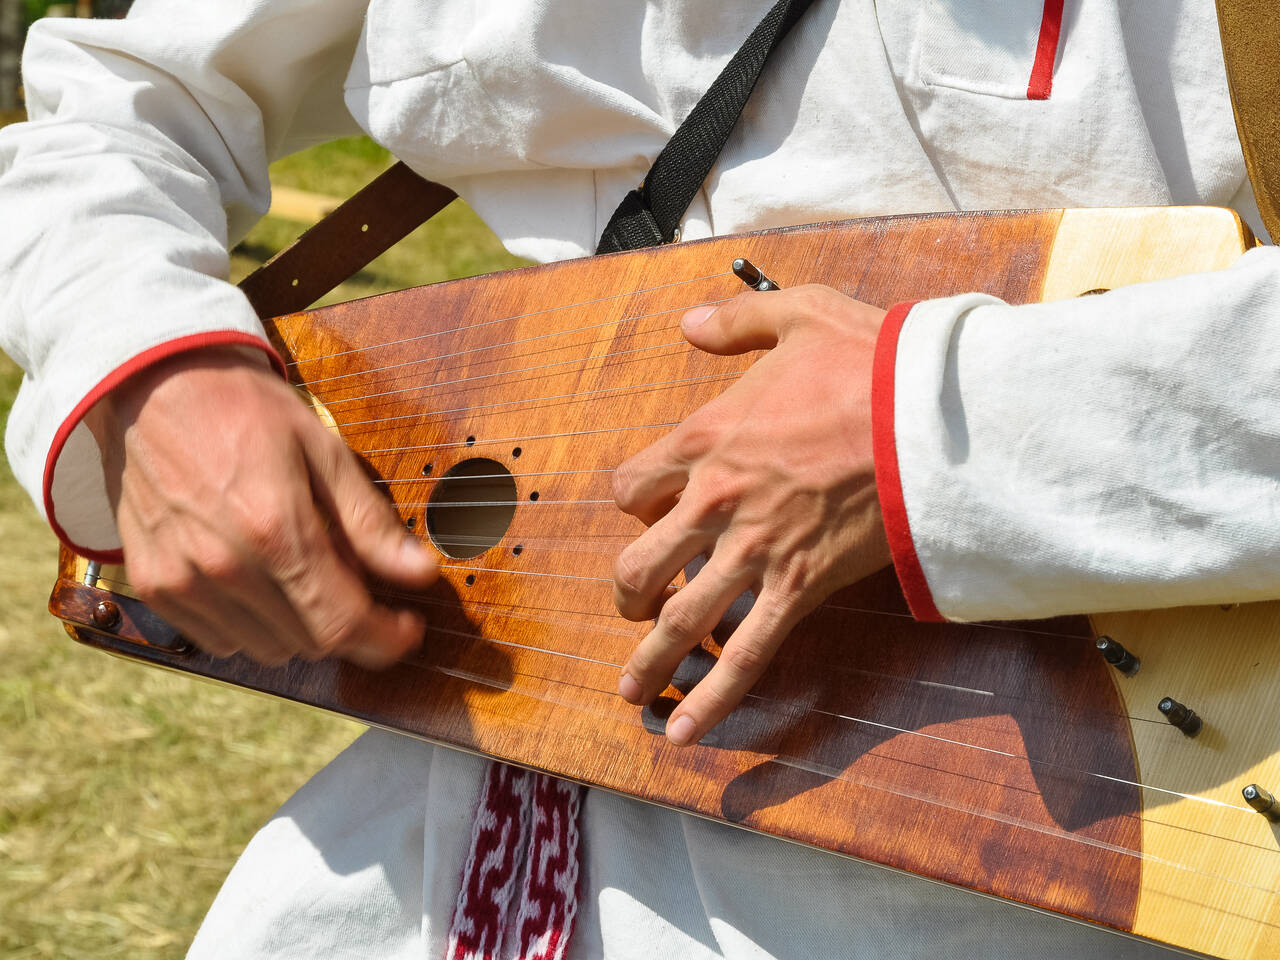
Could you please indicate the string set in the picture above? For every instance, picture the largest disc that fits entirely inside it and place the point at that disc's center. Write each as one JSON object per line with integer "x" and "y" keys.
{"x": 614, "y": 323}
{"x": 665, "y": 425}
{"x": 577, "y": 395}
{"x": 499, "y": 476}
{"x": 605, "y": 544}
{"x": 462, "y": 541}
{"x": 627, "y": 715}
{"x": 782, "y": 658}
{"x": 511, "y": 319}
{"x": 582, "y": 363}
{"x": 578, "y": 697}
{"x": 642, "y": 353}
{"x": 612, "y": 624}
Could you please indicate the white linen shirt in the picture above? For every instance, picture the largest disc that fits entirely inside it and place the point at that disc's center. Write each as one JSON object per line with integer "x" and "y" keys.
{"x": 1111, "y": 452}
{"x": 147, "y": 155}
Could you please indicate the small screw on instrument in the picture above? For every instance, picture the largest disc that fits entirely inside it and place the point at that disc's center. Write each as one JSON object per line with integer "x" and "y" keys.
{"x": 92, "y": 573}
{"x": 1115, "y": 654}
{"x": 750, "y": 274}
{"x": 105, "y": 615}
{"x": 1262, "y": 801}
{"x": 1180, "y": 715}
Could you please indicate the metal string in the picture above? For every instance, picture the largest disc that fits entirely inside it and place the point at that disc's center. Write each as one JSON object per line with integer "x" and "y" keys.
{"x": 518, "y": 316}
{"x": 790, "y": 708}
{"x": 833, "y": 773}
{"x": 580, "y": 361}
{"x": 782, "y": 657}
{"x": 632, "y": 634}
{"x": 786, "y": 761}
{"x": 495, "y": 476}
{"x": 630, "y": 388}
{"x": 501, "y": 503}
{"x": 521, "y": 439}
{"x": 511, "y": 343}
{"x": 527, "y": 573}
{"x": 551, "y": 544}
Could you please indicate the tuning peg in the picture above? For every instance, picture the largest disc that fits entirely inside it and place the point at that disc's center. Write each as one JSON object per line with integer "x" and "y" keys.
{"x": 1180, "y": 715}
{"x": 1262, "y": 801}
{"x": 1115, "y": 654}
{"x": 750, "y": 274}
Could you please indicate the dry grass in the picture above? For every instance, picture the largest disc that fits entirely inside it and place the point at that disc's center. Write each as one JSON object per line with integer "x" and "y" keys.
{"x": 126, "y": 793}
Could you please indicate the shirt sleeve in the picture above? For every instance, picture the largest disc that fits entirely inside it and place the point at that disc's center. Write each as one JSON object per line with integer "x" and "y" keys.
{"x": 1118, "y": 451}
{"x": 145, "y": 156}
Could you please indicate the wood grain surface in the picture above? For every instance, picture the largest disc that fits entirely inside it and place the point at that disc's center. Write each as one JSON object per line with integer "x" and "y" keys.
{"x": 998, "y": 757}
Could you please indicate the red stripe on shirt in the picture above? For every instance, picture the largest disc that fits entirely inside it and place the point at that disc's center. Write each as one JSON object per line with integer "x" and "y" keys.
{"x": 888, "y": 479}
{"x": 1041, "y": 84}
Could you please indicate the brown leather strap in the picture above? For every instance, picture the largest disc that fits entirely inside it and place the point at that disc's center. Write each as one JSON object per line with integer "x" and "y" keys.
{"x": 348, "y": 239}
{"x": 1251, "y": 47}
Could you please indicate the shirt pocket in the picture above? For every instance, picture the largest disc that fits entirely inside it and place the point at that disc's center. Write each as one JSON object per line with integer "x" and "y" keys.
{"x": 998, "y": 48}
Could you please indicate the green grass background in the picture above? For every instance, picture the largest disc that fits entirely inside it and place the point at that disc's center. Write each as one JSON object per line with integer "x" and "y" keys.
{"x": 126, "y": 793}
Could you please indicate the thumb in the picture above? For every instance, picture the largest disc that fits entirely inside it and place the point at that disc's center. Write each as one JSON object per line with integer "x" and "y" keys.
{"x": 750, "y": 321}
{"x": 366, "y": 520}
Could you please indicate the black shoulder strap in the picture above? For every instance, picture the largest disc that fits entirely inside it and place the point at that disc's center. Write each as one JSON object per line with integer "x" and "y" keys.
{"x": 650, "y": 214}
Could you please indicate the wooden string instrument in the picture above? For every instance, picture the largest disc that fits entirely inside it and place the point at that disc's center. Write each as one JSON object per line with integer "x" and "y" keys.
{"x": 1011, "y": 759}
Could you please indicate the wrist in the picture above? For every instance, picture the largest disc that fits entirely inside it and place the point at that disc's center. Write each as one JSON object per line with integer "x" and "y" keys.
{"x": 194, "y": 369}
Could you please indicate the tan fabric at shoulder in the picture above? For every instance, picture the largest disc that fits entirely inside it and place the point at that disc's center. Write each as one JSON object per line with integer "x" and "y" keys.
{"x": 1251, "y": 46}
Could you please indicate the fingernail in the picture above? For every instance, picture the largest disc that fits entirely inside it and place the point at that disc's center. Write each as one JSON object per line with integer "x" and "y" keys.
{"x": 680, "y": 730}
{"x": 697, "y": 317}
{"x": 414, "y": 624}
{"x": 413, "y": 554}
{"x": 630, "y": 690}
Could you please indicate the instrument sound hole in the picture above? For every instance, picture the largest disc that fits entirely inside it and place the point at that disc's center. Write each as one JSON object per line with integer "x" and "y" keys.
{"x": 471, "y": 508}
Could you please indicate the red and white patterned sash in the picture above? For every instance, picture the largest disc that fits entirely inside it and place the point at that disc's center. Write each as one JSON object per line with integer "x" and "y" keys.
{"x": 524, "y": 837}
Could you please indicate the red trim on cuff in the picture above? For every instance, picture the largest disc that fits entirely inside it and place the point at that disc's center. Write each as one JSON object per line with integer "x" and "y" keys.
{"x": 162, "y": 351}
{"x": 1041, "y": 83}
{"x": 888, "y": 480}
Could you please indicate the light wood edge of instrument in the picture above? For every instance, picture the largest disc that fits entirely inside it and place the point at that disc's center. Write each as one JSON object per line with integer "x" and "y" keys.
{"x": 1118, "y": 246}
{"x": 1223, "y": 664}
{"x": 1233, "y": 690}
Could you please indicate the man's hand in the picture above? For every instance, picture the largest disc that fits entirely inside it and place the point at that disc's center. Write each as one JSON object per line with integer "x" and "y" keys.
{"x": 774, "y": 480}
{"x": 246, "y": 523}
